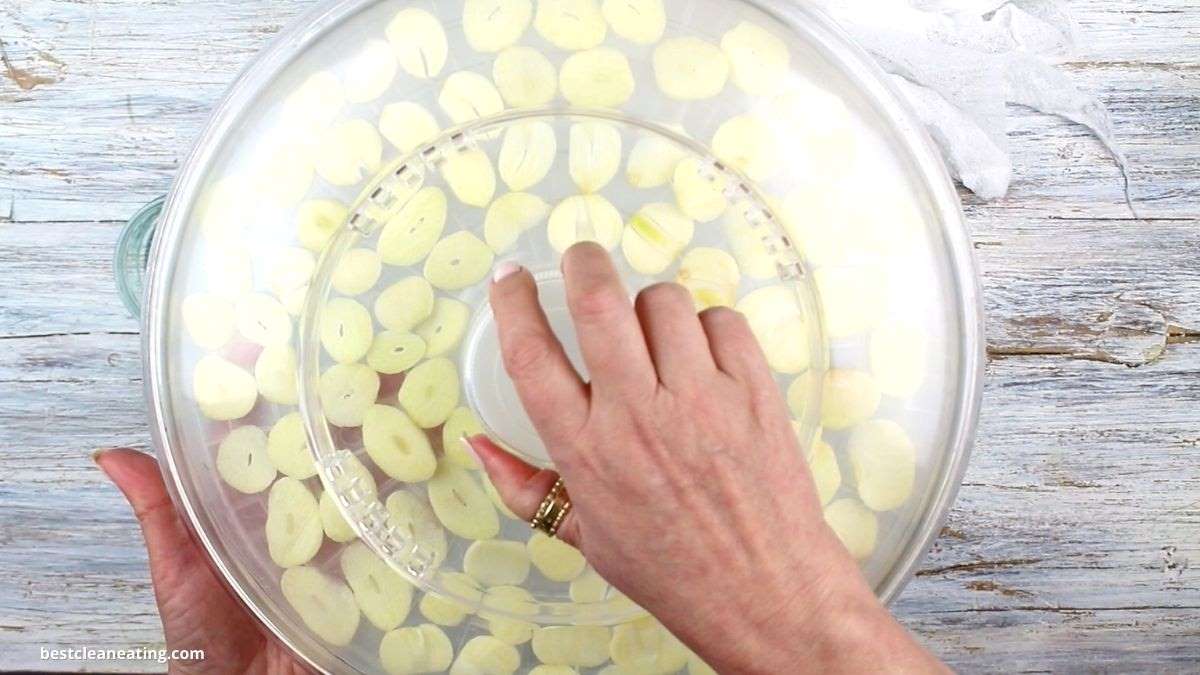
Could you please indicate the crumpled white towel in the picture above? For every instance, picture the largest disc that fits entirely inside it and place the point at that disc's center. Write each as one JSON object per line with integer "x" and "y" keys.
{"x": 960, "y": 63}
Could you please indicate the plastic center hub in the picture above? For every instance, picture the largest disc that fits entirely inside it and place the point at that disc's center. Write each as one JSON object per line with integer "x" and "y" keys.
{"x": 491, "y": 392}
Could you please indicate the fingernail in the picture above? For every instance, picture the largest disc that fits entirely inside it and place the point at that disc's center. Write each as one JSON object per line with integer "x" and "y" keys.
{"x": 96, "y": 454}
{"x": 471, "y": 449}
{"x": 504, "y": 270}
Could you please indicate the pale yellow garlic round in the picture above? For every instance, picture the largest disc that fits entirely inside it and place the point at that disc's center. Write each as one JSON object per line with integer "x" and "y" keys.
{"x": 419, "y": 42}
{"x": 468, "y": 96}
{"x": 639, "y": 21}
{"x": 597, "y": 78}
{"x": 854, "y": 524}
{"x": 883, "y": 460}
{"x": 407, "y": 125}
{"x": 570, "y": 24}
{"x": 690, "y": 69}
{"x": 493, "y": 25}
{"x": 759, "y": 61}
{"x": 525, "y": 77}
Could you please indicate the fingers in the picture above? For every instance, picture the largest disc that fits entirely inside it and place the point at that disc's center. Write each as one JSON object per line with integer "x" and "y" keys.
{"x": 610, "y": 337}
{"x": 552, "y": 392}
{"x": 733, "y": 346}
{"x": 676, "y": 340}
{"x": 521, "y": 486}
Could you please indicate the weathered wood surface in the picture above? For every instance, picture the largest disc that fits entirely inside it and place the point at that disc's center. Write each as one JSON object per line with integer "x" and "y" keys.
{"x": 1068, "y": 548}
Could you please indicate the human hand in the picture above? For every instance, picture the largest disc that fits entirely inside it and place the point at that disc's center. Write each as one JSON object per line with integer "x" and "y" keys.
{"x": 690, "y": 492}
{"x": 197, "y": 611}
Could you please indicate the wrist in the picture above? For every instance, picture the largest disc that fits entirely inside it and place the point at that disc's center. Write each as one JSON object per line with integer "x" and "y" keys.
{"x": 826, "y": 621}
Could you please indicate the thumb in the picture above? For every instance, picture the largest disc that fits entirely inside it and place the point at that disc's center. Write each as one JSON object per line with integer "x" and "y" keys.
{"x": 521, "y": 486}
{"x": 137, "y": 476}
{"x": 177, "y": 566}
{"x": 195, "y": 608}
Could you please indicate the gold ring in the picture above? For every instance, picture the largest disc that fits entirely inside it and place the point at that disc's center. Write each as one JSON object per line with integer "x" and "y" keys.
{"x": 553, "y": 510}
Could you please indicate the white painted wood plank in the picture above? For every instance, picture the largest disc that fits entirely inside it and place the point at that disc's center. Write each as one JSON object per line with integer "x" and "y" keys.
{"x": 132, "y": 83}
{"x": 1053, "y": 558}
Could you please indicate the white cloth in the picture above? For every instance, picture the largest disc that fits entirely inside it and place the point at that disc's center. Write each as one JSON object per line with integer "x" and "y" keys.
{"x": 960, "y": 63}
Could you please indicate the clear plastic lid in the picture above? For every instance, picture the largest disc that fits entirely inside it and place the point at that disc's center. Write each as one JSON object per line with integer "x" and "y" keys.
{"x": 319, "y": 337}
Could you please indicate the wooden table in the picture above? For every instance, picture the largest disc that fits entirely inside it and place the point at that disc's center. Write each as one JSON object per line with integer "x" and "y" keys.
{"x": 1068, "y": 548}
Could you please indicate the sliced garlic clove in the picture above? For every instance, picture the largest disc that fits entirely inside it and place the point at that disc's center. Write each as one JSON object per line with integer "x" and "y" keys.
{"x": 595, "y": 154}
{"x": 510, "y": 216}
{"x": 467, "y": 96}
{"x": 461, "y": 504}
{"x": 458, "y": 261}
{"x": 348, "y": 152}
{"x": 346, "y": 330}
{"x": 775, "y": 319}
{"x": 461, "y": 424}
{"x": 397, "y": 446}
{"x": 415, "y": 649}
{"x": 209, "y": 319}
{"x": 642, "y": 22}
{"x": 222, "y": 390}
{"x": 698, "y": 191}
{"x": 415, "y": 520}
{"x": 690, "y": 69}
{"x": 394, "y": 352}
{"x": 485, "y": 655}
{"x": 711, "y": 276}
{"x": 293, "y": 529}
{"x": 409, "y": 235}
{"x": 430, "y": 392}
{"x": 854, "y": 524}
{"x": 525, "y": 77}
{"x": 275, "y": 372}
{"x": 262, "y": 320}
{"x": 526, "y": 154}
{"x": 243, "y": 462}
{"x": 346, "y": 390}
{"x": 493, "y": 25}
{"x": 584, "y": 218}
{"x": 444, "y": 328}
{"x": 588, "y": 587}
{"x": 644, "y": 646}
{"x": 759, "y": 61}
{"x": 827, "y": 476}
{"x": 746, "y": 144}
{"x": 445, "y": 611}
{"x": 654, "y": 237}
{"x": 419, "y": 41}
{"x": 407, "y": 125}
{"x": 652, "y": 162}
{"x": 317, "y": 220}
{"x": 357, "y": 271}
{"x": 582, "y": 646}
{"x": 383, "y": 595}
{"x": 596, "y": 78}
{"x": 554, "y": 558}
{"x": 287, "y": 448}
{"x": 405, "y": 304}
{"x": 570, "y": 24}
{"x": 883, "y": 461}
{"x": 511, "y": 600}
{"x": 493, "y": 562}
{"x": 471, "y": 177}
{"x": 336, "y": 527}
{"x": 325, "y": 604}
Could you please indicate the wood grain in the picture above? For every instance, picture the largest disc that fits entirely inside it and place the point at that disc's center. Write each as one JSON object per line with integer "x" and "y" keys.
{"x": 1068, "y": 547}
